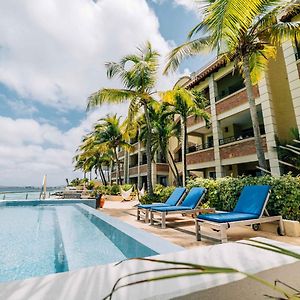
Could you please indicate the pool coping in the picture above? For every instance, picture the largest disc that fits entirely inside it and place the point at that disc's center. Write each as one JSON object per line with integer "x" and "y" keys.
{"x": 97, "y": 282}
{"x": 89, "y": 202}
{"x": 155, "y": 243}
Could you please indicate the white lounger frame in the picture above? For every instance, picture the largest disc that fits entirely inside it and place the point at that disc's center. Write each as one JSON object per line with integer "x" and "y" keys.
{"x": 161, "y": 218}
{"x": 222, "y": 227}
{"x": 143, "y": 213}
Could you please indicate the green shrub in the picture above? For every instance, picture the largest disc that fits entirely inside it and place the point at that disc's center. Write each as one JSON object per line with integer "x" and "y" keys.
{"x": 147, "y": 199}
{"x": 161, "y": 194}
{"x": 115, "y": 190}
{"x": 126, "y": 187}
{"x": 284, "y": 200}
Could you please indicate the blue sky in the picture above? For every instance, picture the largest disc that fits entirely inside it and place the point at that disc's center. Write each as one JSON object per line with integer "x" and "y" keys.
{"x": 52, "y": 57}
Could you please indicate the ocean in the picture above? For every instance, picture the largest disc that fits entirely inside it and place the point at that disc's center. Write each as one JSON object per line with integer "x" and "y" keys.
{"x": 25, "y": 193}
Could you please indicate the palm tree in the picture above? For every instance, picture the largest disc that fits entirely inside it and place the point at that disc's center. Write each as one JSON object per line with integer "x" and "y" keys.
{"x": 138, "y": 73}
{"x": 109, "y": 135}
{"x": 163, "y": 128}
{"x": 185, "y": 103}
{"x": 246, "y": 32}
{"x": 90, "y": 156}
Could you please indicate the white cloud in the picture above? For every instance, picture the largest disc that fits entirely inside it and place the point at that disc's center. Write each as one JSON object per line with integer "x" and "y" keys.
{"x": 188, "y": 4}
{"x": 54, "y": 51}
{"x": 29, "y": 149}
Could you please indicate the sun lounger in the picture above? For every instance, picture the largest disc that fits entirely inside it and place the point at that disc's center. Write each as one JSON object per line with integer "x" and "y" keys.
{"x": 174, "y": 199}
{"x": 188, "y": 206}
{"x": 249, "y": 210}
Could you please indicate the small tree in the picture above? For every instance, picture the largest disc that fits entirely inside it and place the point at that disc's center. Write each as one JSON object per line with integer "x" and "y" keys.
{"x": 185, "y": 103}
{"x": 138, "y": 73}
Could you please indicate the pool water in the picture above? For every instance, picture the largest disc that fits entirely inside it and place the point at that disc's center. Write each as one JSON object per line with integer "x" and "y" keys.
{"x": 44, "y": 239}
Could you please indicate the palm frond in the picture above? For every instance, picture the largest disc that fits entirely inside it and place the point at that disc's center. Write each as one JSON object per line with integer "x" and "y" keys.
{"x": 110, "y": 96}
{"x": 188, "y": 49}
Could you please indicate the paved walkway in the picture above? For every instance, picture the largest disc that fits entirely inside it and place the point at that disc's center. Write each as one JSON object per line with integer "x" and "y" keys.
{"x": 182, "y": 231}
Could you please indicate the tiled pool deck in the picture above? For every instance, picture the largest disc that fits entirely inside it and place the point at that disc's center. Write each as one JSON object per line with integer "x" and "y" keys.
{"x": 182, "y": 232}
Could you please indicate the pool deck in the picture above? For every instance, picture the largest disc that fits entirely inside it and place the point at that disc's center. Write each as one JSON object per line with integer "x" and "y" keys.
{"x": 182, "y": 232}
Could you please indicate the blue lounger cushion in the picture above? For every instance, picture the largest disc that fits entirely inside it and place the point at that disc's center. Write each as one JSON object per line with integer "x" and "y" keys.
{"x": 190, "y": 201}
{"x": 171, "y": 208}
{"x": 227, "y": 217}
{"x": 252, "y": 199}
{"x": 171, "y": 201}
{"x": 250, "y": 206}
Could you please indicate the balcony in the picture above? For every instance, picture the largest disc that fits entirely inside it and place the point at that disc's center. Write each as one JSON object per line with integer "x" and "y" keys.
{"x": 246, "y": 134}
{"x": 204, "y": 146}
{"x": 192, "y": 120}
{"x": 162, "y": 168}
{"x": 114, "y": 174}
{"x": 240, "y": 148}
{"x": 201, "y": 156}
{"x": 234, "y": 100}
{"x": 133, "y": 171}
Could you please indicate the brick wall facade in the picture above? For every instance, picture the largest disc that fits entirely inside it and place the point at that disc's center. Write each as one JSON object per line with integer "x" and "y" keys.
{"x": 192, "y": 120}
{"x": 200, "y": 156}
{"x": 162, "y": 168}
{"x": 241, "y": 148}
{"x": 234, "y": 100}
{"x": 133, "y": 171}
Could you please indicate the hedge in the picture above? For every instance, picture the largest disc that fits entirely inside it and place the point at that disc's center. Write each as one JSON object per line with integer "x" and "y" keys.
{"x": 111, "y": 189}
{"x": 161, "y": 194}
{"x": 224, "y": 192}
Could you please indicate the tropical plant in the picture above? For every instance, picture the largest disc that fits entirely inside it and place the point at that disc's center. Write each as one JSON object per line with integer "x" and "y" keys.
{"x": 109, "y": 135}
{"x": 246, "y": 32}
{"x": 138, "y": 73}
{"x": 163, "y": 128}
{"x": 89, "y": 156}
{"x": 185, "y": 103}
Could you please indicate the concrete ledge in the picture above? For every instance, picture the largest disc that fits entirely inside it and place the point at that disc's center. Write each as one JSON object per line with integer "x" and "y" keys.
{"x": 97, "y": 282}
{"x": 88, "y": 202}
{"x": 292, "y": 228}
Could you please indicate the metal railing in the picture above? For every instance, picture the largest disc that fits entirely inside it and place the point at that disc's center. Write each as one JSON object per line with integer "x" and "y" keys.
{"x": 229, "y": 91}
{"x": 246, "y": 134}
{"x": 199, "y": 147}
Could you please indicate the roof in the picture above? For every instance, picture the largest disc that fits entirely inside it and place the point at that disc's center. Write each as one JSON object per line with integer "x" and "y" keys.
{"x": 205, "y": 72}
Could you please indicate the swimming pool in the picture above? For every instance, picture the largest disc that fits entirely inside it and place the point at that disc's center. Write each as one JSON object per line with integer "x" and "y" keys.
{"x": 37, "y": 240}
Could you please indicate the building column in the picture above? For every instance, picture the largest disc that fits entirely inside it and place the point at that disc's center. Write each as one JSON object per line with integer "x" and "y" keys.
{"x": 215, "y": 126}
{"x": 154, "y": 173}
{"x": 126, "y": 166}
{"x": 293, "y": 72}
{"x": 269, "y": 123}
{"x": 139, "y": 166}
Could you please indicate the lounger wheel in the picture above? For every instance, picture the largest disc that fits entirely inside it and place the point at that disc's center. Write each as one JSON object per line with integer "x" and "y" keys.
{"x": 279, "y": 232}
{"x": 255, "y": 227}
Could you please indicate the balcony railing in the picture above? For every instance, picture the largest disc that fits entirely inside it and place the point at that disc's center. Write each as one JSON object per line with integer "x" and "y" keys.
{"x": 244, "y": 135}
{"x": 230, "y": 90}
{"x": 199, "y": 147}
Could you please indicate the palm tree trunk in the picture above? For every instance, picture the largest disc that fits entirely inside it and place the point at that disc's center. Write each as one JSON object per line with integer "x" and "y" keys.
{"x": 118, "y": 166}
{"x": 253, "y": 112}
{"x": 148, "y": 151}
{"x": 102, "y": 175}
{"x": 177, "y": 177}
{"x": 183, "y": 149}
